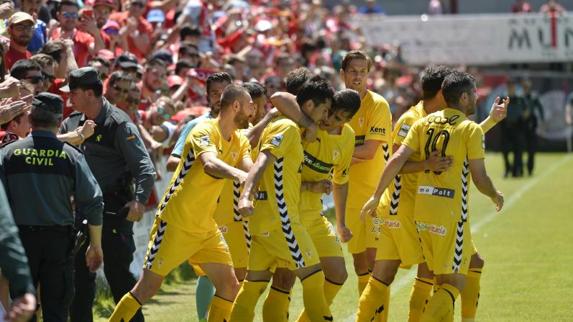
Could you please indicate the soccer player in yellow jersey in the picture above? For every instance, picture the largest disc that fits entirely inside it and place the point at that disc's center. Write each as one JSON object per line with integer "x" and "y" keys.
{"x": 398, "y": 244}
{"x": 372, "y": 125}
{"x": 441, "y": 209}
{"x": 278, "y": 237}
{"x": 226, "y": 216}
{"x": 184, "y": 227}
{"x": 326, "y": 161}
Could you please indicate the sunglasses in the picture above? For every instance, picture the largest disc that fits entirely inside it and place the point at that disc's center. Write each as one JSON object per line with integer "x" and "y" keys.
{"x": 21, "y": 28}
{"x": 70, "y": 15}
{"x": 35, "y": 79}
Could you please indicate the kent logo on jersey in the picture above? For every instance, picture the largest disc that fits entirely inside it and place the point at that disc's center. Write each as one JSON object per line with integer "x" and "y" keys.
{"x": 377, "y": 130}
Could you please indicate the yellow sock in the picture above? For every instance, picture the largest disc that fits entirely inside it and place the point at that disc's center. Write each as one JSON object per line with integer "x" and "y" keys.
{"x": 125, "y": 309}
{"x": 220, "y": 309}
{"x": 244, "y": 306}
{"x": 441, "y": 304}
{"x": 276, "y": 305}
{"x": 470, "y": 295}
{"x": 330, "y": 291}
{"x": 362, "y": 281}
{"x": 313, "y": 297}
{"x": 373, "y": 301}
{"x": 421, "y": 292}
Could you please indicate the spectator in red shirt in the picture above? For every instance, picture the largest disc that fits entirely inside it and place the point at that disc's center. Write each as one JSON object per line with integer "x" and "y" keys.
{"x": 117, "y": 89}
{"x": 102, "y": 10}
{"x": 48, "y": 71}
{"x": 21, "y": 28}
{"x": 135, "y": 28}
{"x": 521, "y": 6}
{"x": 85, "y": 34}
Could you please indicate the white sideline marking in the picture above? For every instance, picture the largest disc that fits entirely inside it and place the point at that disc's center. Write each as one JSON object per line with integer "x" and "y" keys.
{"x": 407, "y": 279}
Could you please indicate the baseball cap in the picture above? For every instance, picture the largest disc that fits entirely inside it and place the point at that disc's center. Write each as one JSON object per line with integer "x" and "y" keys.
{"x": 19, "y": 17}
{"x": 82, "y": 77}
{"x": 48, "y": 102}
{"x": 156, "y": 15}
{"x": 105, "y": 54}
{"x": 107, "y": 3}
{"x": 126, "y": 61}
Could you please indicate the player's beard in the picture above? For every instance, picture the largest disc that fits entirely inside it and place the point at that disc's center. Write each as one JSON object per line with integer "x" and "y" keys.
{"x": 241, "y": 120}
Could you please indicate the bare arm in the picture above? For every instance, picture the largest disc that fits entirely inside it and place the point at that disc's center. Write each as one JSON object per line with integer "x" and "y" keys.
{"x": 393, "y": 167}
{"x": 246, "y": 205}
{"x": 172, "y": 163}
{"x": 497, "y": 113}
{"x": 254, "y": 134}
{"x": 217, "y": 168}
{"x": 365, "y": 152}
{"x": 286, "y": 103}
{"x": 340, "y": 193}
{"x": 484, "y": 183}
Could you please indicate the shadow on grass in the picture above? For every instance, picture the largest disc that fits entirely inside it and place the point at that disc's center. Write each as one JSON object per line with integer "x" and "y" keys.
{"x": 104, "y": 304}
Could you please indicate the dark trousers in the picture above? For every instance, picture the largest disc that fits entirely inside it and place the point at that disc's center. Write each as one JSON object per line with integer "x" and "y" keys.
{"x": 118, "y": 248}
{"x": 49, "y": 256}
{"x": 531, "y": 144}
{"x": 512, "y": 141}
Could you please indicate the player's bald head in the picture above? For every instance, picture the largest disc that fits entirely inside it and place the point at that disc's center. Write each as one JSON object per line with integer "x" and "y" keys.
{"x": 233, "y": 93}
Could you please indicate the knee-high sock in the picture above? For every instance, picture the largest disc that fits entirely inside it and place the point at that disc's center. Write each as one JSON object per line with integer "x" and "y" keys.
{"x": 470, "y": 295}
{"x": 313, "y": 297}
{"x": 373, "y": 305}
{"x": 362, "y": 281}
{"x": 203, "y": 295}
{"x": 421, "y": 292}
{"x": 330, "y": 291}
{"x": 220, "y": 310}
{"x": 441, "y": 305}
{"x": 244, "y": 306}
{"x": 276, "y": 305}
{"x": 125, "y": 309}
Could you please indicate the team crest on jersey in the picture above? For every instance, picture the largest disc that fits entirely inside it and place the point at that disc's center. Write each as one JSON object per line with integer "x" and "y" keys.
{"x": 335, "y": 155}
{"x": 276, "y": 141}
{"x": 404, "y": 130}
{"x": 204, "y": 140}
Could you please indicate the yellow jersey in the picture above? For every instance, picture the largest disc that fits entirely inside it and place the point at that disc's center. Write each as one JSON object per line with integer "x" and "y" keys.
{"x": 190, "y": 201}
{"x": 373, "y": 121}
{"x": 398, "y": 199}
{"x": 277, "y": 200}
{"x": 443, "y": 195}
{"x": 326, "y": 158}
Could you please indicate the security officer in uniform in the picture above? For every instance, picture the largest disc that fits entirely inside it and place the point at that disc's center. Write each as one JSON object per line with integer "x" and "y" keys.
{"x": 14, "y": 265}
{"x": 121, "y": 165}
{"x": 45, "y": 181}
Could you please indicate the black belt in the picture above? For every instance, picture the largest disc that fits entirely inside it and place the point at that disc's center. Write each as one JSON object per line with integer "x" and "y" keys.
{"x": 62, "y": 229}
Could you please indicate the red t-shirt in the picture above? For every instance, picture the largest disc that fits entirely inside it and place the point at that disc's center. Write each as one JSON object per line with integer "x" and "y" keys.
{"x": 143, "y": 26}
{"x": 55, "y": 89}
{"x": 82, "y": 42}
{"x": 13, "y": 55}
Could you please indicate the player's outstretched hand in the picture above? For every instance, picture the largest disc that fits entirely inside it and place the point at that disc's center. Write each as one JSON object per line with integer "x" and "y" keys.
{"x": 344, "y": 233}
{"x": 369, "y": 208}
{"x": 246, "y": 207}
{"x": 498, "y": 200}
{"x": 436, "y": 162}
{"x": 499, "y": 109}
